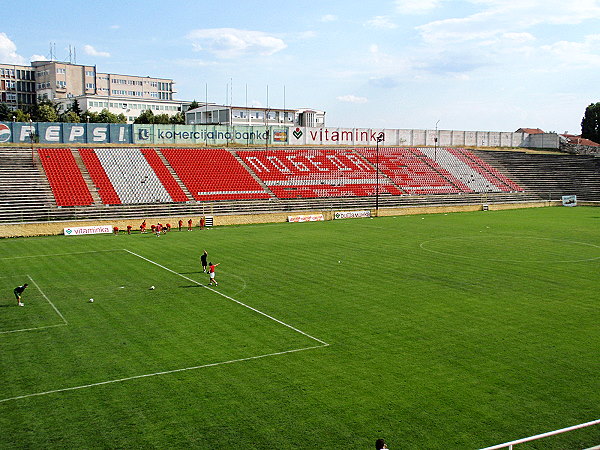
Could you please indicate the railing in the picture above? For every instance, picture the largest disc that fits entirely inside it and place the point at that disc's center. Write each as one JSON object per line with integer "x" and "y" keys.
{"x": 21, "y": 214}
{"x": 510, "y": 445}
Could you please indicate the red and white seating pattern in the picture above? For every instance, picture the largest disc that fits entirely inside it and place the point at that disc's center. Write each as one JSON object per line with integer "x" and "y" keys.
{"x": 489, "y": 172}
{"x": 213, "y": 174}
{"x": 131, "y": 175}
{"x": 414, "y": 172}
{"x": 292, "y": 173}
{"x": 67, "y": 183}
{"x": 164, "y": 175}
{"x": 460, "y": 170}
{"x": 107, "y": 192}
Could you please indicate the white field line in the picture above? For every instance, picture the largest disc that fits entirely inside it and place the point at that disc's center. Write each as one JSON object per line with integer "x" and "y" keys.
{"x": 46, "y": 326}
{"x": 32, "y": 329}
{"x": 229, "y": 298}
{"x": 62, "y": 254}
{"x": 48, "y": 300}
{"x": 166, "y": 372}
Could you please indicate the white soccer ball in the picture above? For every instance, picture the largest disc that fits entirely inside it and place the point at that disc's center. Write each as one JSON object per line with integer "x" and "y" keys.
{"x": 152, "y": 288}
{"x": 91, "y": 300}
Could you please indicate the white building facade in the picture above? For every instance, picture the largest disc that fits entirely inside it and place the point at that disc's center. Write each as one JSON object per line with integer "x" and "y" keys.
{"x": 211, "y": 114}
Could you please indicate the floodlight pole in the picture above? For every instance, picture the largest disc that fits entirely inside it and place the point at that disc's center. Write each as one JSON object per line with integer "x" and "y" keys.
{"x": 379, "y": 139}
{"x": 31, "y": 136}
{"x": 435, "y": 140}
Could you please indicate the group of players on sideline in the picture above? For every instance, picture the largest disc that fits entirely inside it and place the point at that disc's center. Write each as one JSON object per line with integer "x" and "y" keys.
{"x": 159, "y": 228}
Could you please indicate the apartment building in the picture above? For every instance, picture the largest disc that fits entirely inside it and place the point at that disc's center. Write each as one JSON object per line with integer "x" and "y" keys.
{"x": 64, "y": 82}
{"x": 17, "y": 86}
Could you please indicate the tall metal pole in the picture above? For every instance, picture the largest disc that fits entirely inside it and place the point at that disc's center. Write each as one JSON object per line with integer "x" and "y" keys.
{"x": 377, "y": 179}
{"x": 266, "y": 122}
{"x": 31, "y": 136}
{"x": 379, "y": 139}
{"x": 435, "y": 142}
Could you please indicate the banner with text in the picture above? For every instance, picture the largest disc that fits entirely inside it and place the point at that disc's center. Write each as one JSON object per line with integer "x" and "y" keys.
{"x": 306, "y": 218}
{"x": 79, "y": 231}
{"x": 351, "y": 214}
{"x": 221, "y": 135}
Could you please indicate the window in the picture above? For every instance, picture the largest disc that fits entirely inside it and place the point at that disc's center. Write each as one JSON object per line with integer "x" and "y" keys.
{"x": 89, "y": 73}
{"x": 61, "y": 84}
{"x": 60, "y": 70}
{"x": 90, "y": 85}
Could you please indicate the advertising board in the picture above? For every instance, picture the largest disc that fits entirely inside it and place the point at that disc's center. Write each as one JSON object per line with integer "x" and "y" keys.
{"x": 80, "y": 231}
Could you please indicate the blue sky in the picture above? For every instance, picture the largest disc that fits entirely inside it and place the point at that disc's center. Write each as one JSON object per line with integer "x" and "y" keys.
{"x": 471, "y": 65}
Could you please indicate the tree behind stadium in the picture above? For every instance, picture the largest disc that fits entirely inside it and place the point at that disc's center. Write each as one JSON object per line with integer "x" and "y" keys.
{"x": 590, "y": 125}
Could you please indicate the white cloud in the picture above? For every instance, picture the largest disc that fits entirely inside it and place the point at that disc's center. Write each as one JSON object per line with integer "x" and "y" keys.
{"x": 89, "y": 50}
{"x": 329, "y": 18}
{"x": 115, "y": 27}
{"x": 305, "y": 35}
{"x": 581, "y": 54}
{"x": 190, "y": 62}
{"x": 501, "y": 17}
{"x": 38, "y": 58}
{"x": 232, "y": 43}
{"x": 352, "y": 99}
{"x": 519, "y": 37}
{"x": 381, "y": 22}
{"x": 416, "y": 6}
{"x": 8, "y": 51}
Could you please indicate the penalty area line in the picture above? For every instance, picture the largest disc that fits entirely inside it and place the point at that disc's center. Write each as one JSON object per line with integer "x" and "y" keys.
{"x": 148, "y": 375}
{"x": 48, "y": 300}
{"x": 230, "y": 298}
{"x": 45, "y": 326}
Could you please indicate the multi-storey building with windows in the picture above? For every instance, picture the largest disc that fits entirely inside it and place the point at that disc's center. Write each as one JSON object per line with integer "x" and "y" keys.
{"x": 210, "y": 114}
{"x": 63, "y": 82}
{"x": 17, "y": 86}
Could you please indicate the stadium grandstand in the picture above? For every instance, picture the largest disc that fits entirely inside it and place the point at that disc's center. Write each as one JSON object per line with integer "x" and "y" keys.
{"x": 50, "y": 184}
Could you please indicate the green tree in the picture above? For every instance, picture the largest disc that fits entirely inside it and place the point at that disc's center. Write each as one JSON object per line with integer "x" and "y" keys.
{"x": 193, "y": 105}
{"x": 121, "y": 118}
{"x": 21, "y": 116}
{"x": 146, "y": 116}
{"x": 105, "y": 116}
{"x": 590, "y": 125}
{"x": 76, "y": 108}
{"x": 162, "y": 119}
{"x": 178, "y": 119}
{"x": 5, "y": 113}
{"x": 90, "y": 117}
{"x": 71, "y": 117}
{"x": 45, "y": 113}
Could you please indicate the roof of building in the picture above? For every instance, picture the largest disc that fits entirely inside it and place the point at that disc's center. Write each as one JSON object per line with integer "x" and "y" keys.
{"x": 578, "y": 140}
{"x": 530, "y": 130}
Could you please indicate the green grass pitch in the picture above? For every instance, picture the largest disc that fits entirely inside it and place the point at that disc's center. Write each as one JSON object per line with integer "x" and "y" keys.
{"x": 438, "y": 331}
